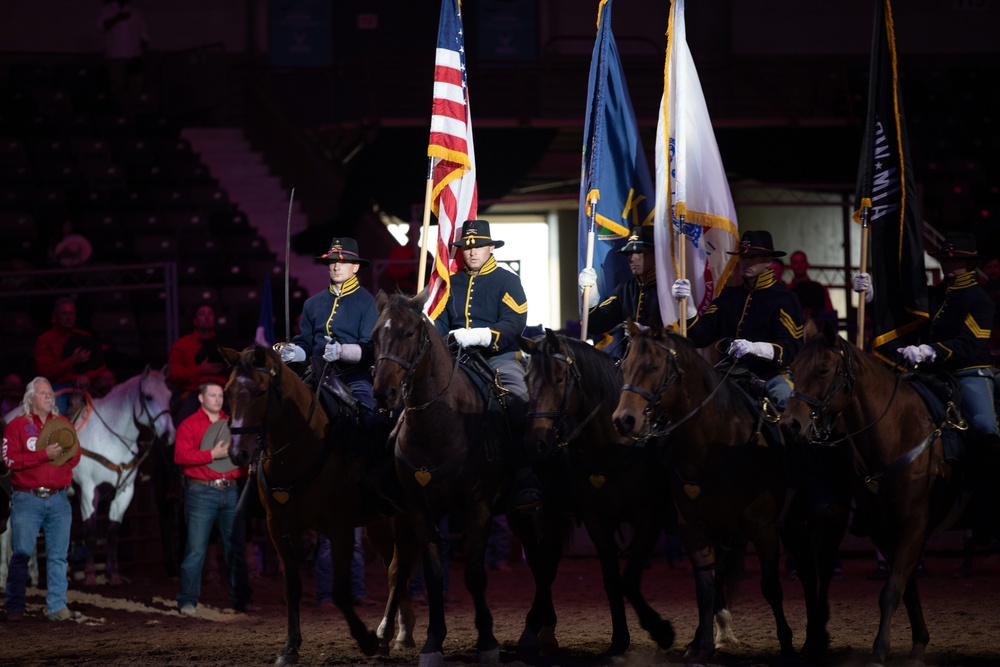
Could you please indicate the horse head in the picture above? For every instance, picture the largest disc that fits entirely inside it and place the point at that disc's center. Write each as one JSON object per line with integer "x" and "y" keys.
{"x": 254, "y": 393}
{"x": 402, "y": 338}
{"x": 824, "y": 386}
{"x": 652, "y": 376}
{"x": 552, "y": 380}
{"x": 154, "y": 395}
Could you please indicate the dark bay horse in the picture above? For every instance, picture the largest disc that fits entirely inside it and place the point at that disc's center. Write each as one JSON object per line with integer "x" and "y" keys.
{"x": 573, "y": 389}
{"x": 905, "y": 488}
{"x": 307, "y": 478}
{"x": 450, "y": 459}
{"x": 728, "y": 483}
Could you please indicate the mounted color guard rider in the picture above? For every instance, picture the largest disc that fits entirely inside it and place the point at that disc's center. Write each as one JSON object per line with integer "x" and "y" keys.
{"x": 337, "y": 325}
{"x": 957, "y": 336}
{"x": 486, "y": 312}
{"x": 762, "y": 316}
{"x": 634, "y": 298}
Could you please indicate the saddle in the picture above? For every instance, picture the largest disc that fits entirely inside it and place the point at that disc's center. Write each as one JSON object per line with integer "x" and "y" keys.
{"x": 336, "y": 395}
{"x": 942, "y": 394}
{"x": 754, "y": 393}
{"x": 487, "y": 381}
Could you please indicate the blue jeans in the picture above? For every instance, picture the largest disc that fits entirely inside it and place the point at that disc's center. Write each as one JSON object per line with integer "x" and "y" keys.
{"x": 204, "y": 507}
{"x": 54, "y": 517}
{"x": 779, "y": 390}
{"x": 977, "y": 400}
{"x": 324, "y": 568}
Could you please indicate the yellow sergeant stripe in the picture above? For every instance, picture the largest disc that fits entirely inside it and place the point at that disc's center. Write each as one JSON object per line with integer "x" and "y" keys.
{"x": 974, "y": 327}
{"x": 514, "y": 305}
{"x": 787, "y": 322}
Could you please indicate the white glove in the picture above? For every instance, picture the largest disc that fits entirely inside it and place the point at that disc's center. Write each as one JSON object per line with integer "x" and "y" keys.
{"x": 292, "y": 352}
{"x": 863, "y": 283}
{"x": 480, "y": 336}
{"x": 593, "y": 298}
{"x": 350, "y": 353}
{"x": 332, "y": 352}
{"x": 587, "y": 278}
{"x": 741, "y": 347}
{"x": 917, "y": 354}
{"x": 681, "y": 289}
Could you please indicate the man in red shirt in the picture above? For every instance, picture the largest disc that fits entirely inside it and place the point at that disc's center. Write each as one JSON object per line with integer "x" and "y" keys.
{"x": 210, "y": 497}
{"x": 194, "y": 359}
{"x": 40, "y": 449}
{"x": 72, "y": 365}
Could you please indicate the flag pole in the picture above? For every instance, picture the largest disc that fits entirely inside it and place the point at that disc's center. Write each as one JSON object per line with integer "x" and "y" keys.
{"x": 590, "y": 263}
{"x": 425, "y": 233}
{"x": 682, "y": 272}
{"x": 288, "y": 251}
{"x": 866, "y": 207}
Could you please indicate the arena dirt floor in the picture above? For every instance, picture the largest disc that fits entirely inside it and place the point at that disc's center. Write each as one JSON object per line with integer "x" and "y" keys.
{"x": 138, "y": 624}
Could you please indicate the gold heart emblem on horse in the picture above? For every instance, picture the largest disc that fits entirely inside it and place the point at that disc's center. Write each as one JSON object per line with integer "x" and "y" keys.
{"x": 597, "y": 481}
{"x": 423, "y": 477}
{"x": 281, "y": 497}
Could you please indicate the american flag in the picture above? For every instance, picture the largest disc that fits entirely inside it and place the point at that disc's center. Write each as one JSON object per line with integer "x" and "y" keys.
{"x": 452, "y": 157}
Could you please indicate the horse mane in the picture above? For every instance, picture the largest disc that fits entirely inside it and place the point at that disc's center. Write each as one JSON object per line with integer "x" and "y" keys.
{"x": 599, "y": 372}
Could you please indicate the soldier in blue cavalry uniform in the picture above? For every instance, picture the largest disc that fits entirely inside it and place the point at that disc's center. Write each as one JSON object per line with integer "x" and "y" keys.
{"x": 486, "y": 312}
{"x": 634, "y": 298}
{"x": 762, "y": 316}
{"x": 956, "y": 338}
{"x": 337, "y": 325}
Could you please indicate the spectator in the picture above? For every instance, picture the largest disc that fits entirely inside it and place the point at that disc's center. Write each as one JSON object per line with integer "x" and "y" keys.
{"x": 194, "y": 359}
{"x": 210, "y": 498}
{"x": 11, "y": 393}
{"x": 41, "y": 449}
{"x": 778, "y": 266}
{"x": 104, "y": 384}
{"x": 814, "y": 296}
{"x": 67, "y": 356}
{"x": 324, "y": 571}
{"x": 125, "y": 45}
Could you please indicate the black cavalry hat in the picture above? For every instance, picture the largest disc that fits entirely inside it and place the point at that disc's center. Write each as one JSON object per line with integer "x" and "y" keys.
{"x": 342, "y": 249}
{"x": 640, "y": 239}
{"x": 476, "y": 233}
{"x": 957, "y": 245}
{"x": 756, "y": 244}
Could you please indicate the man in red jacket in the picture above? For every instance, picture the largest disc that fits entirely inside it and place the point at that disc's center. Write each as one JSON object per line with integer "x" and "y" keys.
{"x": 41, "y": 450}
{"x": 67, "y": 356}
{"x": 194, "y": 359}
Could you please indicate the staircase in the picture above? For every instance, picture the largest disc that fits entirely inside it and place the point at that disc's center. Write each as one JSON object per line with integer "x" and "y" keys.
{"x": 247, "y": 179}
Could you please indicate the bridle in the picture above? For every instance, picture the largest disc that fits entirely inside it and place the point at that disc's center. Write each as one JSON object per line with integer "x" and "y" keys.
{"x": 410, "y": 367}
{"x": 559, "y": 416}
{"x": 273, "y": 400}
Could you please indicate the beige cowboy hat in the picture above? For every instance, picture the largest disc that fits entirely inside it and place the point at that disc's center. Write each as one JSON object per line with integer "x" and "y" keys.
{"x": 61, "y": 431}
{"x": 219, "y": 430}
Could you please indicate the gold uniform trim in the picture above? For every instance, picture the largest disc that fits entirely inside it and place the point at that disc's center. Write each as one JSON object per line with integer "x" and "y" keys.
{"x": 520, "y": 309}
{"x": 974, "y": 327}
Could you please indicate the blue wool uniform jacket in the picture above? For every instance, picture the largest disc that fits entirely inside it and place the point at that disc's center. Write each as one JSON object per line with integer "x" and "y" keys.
{"x": 632, "y": 298}
{"x": 764, "y": 312}
{"x": 346, "y": 318}
{"x": 492, "y": 298}
{"x": 959, "y": 330}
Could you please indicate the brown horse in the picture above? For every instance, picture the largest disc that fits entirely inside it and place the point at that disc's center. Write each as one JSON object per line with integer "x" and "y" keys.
{"x": 904, "y": 487}
{"x": 728, "y": 483}
{"x": 450, "y": 459}
{"x": 573, "y": 389}
{"x": 307, "y": 478}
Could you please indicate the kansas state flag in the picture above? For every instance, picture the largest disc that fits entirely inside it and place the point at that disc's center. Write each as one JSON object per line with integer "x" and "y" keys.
{"x": 615, "y": 171}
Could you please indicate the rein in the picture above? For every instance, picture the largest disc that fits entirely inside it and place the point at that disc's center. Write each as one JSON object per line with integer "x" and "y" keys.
{"x": 560, "y": 416}
{"x": 411, "y": 366}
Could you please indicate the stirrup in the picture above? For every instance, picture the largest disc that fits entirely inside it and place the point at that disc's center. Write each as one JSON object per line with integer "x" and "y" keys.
{"x": 771, "y": 413}
{"x": 955, "y": 418}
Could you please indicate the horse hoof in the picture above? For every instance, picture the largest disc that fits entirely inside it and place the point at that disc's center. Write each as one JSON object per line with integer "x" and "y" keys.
{"x": 489, "y": 657}
{"x": 547, "y": 642}
{"x": 368, "y": 643}
{"x": 287, "y": 659}
{"x": 663, "y": 634}
{"x": 404, "y": 642}
{"x": 435, "y": 659}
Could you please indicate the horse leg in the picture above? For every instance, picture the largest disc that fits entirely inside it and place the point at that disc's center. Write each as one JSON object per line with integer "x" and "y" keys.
{"x": 767, "y": 546}
{"x": 487, "y": 646}
{"x": 918, "y": 626}
{"x": 432, "y": 652}
{"x": 702, "y": 557}
{"x": 89, "y": 497}
{"x": 602, "y": 535}
{"x": 398, "y": 568}
{"x": 903, "y": 557}
{"x": 116, "y": 512}
{"x": 727, "y": 576}
{"x": 283, "y": 542}
{"x": 643, "y": 542}
{"x": 543, "y": 551}
{"x": 342, "y": 552}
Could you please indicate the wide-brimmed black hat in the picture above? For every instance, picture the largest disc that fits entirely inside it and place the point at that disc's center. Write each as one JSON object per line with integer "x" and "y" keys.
{"x": 342, "y": 249}
{"x": 756, "y": 244}
{"x": 476, "y": 233}
{"x": 957, "y": 245}
{"x": 640, "y": 239}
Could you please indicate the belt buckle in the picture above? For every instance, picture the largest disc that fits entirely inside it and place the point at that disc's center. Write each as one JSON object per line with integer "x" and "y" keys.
{"x": 43, "y": 492}
{"x": 220, "y": 483}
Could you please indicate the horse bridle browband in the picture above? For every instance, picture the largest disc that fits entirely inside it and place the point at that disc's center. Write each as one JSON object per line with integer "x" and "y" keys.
{"x": 653, "y": 398}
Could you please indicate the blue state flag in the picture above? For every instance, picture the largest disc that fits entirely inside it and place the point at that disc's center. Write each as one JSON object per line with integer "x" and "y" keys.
{"x": 265, "y": 323}
{"x": 615, "y": 173}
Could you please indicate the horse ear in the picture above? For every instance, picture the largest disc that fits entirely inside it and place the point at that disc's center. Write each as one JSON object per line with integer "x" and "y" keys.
{"x": 147, "y": 370}
{"x": 829, "y": 335}
{"x": 381, "y": 299}
{"x": 552, "y": 338}
{"x": 527, "y": 345}
{"x": 420, "y": 299}
{"x": 631, "y": 327}
{"x": 229, "y": 355}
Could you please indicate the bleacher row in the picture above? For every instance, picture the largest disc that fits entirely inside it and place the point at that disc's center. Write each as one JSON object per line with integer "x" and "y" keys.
{"x": 120, "y": 173}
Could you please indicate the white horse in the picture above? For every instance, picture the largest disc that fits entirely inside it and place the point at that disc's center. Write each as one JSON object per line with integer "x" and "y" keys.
{"x": 116, "y": 433}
